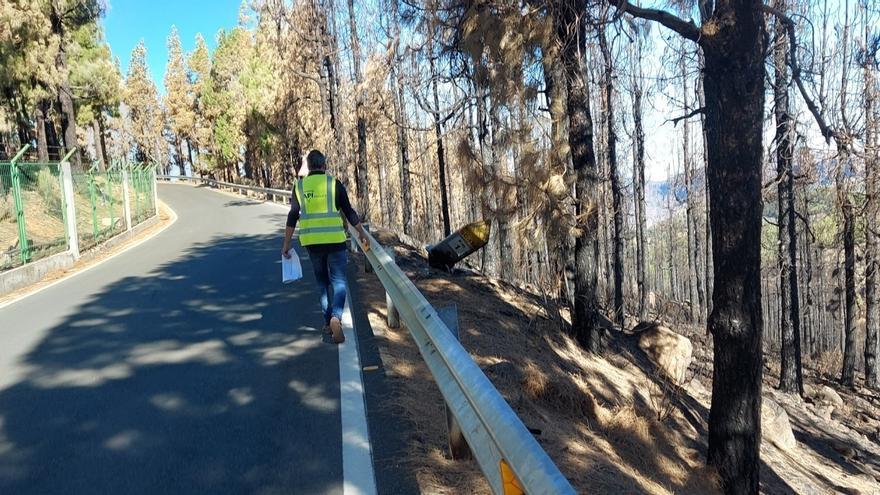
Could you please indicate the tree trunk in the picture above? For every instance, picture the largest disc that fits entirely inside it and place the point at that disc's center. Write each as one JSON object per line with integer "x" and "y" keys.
{"x": 438, "y": 126}
{"x": 562, "y": 252}
{"x": 53, "y": 146}
{"x": 790, "y": 379}
{"x": 362, "y": 172}
{"x": 504, "y": 264}
{"x": 872, "y": 232}
{"x": 99, "y": 146}
{"x": 849, "y": 268}
{"x": 65, "y": 95}
{"x": 192, "y": 163}
{"x": 41, "y": 121}
{"x": 616, "y": 194}
{"x": 639, "y": 181}
{"x": 570, "y": 27}
{"x": 734, "y": 91}
{"x": 403, "y": 151}
{"x": 693, "y": 244}
{"x": 709, "y": 267}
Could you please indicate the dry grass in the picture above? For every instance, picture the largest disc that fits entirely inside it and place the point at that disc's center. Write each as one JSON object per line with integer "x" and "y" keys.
{"x": 828, "y": 363}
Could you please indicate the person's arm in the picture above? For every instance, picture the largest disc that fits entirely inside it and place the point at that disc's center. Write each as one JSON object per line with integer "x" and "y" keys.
{"x": 343, "y": 204}
{"x": 292, "y": 218}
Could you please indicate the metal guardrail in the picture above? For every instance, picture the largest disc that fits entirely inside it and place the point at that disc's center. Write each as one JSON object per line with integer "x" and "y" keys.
{"x": 497, "y": 438}
{"x": 229, "y": 185}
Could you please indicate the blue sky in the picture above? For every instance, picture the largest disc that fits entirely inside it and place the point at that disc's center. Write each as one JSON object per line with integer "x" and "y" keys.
{"x": 126, "y": 22}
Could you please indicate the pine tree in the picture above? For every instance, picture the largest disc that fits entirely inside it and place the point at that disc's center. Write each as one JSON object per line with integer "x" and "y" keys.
{"x": 199, "y": 73}
{"x": 145, "y": 115}
{"x": 97, "y": 85}
{"x": 178, "y": 99}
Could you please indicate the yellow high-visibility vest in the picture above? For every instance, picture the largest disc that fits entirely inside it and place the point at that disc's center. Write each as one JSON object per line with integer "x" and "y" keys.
{"x": 319, "y": 219}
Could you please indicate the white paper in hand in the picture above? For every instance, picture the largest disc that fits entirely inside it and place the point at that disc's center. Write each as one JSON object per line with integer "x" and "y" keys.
{"x": 291, "y": 269}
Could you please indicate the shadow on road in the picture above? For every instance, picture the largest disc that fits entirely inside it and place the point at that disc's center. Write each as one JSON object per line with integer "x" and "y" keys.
{"x": 207, "y": 376}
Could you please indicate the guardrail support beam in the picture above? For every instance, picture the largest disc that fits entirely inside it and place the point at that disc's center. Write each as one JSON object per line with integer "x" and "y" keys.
{"x": 368, "y": 268}
{"x": 392, "y": 316}
{"x": 458, "y": 447}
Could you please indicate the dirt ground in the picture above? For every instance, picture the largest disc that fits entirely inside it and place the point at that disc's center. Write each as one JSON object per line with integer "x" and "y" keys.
{"x": 607, "y": 422}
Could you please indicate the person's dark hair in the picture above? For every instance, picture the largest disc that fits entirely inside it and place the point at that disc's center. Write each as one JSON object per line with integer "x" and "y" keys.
{"x": 316, "y": 160}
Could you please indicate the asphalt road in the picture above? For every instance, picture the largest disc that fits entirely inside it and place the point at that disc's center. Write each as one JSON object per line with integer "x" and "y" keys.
{"x": 181, "y": 366}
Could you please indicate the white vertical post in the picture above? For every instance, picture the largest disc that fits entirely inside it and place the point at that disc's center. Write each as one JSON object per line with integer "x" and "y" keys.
{"x": 391, "y": 314}
{"x": 155, "y": 193}
{"x": 126, "y": 199}
{"x": 69, "y": 209}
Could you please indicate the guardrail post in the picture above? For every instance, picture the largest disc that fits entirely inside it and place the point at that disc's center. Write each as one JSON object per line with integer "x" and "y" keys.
{"x": 392, "y": 316}
{"x": 458, "y": 447}
{"x": 126, "y": 199}
{"x": 368, "y": 268}
{"x": 69, "y": 209}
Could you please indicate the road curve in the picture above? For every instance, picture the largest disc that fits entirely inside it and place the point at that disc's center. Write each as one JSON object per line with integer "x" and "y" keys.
{"x": 181, "y": 366}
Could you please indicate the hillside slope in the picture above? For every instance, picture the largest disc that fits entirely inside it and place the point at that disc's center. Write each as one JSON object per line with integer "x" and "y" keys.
{"x": 609, "y": 422}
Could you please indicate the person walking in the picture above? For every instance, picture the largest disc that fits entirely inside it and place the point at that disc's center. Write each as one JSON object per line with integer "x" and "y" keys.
{"x": 317, "y": 204}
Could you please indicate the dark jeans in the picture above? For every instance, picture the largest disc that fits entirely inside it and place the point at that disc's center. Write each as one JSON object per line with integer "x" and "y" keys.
{"x": 330, "y": 274}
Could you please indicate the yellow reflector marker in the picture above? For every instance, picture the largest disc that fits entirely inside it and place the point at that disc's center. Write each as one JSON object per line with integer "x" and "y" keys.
{"x": 511, "y": 484}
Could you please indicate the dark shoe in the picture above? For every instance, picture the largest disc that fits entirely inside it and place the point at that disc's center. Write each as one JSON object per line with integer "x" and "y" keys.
{"x": 336, "y": 330}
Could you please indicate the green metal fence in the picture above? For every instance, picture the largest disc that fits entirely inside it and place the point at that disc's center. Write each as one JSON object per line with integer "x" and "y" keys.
{"x": 141, "y": 194}
{"x": 32, "y": 223}
{"x": 33, "y": 207}
{"x": 99, "y": 205}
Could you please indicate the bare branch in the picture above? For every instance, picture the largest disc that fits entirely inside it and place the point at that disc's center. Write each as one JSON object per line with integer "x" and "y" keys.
{"x": 676, "y": 120}
{"x": 827, "y": 132}
{"x": 686, "y": 29}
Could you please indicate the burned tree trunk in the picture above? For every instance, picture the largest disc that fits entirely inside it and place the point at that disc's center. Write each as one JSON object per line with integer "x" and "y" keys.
{"x": 693, "y": 245}
{"x": 570, "y": 30}
{"x": 616, "y": 200}
{"x": 872, "y": 231}
{"x": 639, "y": 181}
{"x": 849, "y": 269}
{"x": 438, "y": 136}
{"x": 561, "y": 258}
{"x": 362, "y": 177}
{"x": 790, "y": 379}
{"x": 734, "y": 91}
{"x": 402, "y": 149}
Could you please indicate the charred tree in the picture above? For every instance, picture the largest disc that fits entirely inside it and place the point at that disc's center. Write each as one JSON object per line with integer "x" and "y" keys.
{"x": 639, "y": 179}
{"x": 790, "y": 379}
{"x": 847, "y": 376}
{"x": 616, "y": 194}
{"x": 570, "y": 26}
{"x": 872, "y": 214}
{"x": 362, "y": 176}
{"x": 693, "y": 244}
{"x": 733, "y": 44}
{"x": 438, "y": 127}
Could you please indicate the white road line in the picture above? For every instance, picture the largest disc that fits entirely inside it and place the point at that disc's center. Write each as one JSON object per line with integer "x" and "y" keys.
{"x": 357, "y": 457}
{"x": 96, "y": 263}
